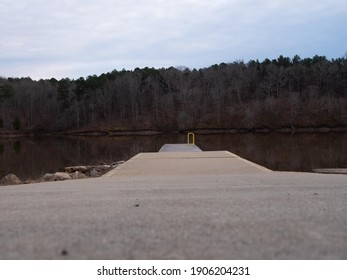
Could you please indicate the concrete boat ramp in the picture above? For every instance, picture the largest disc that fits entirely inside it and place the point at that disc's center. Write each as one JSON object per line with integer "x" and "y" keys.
{"x": 178, "y": 205}
{"x": 179, "y": 160}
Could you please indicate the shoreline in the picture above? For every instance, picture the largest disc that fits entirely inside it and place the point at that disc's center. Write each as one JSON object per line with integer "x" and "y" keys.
{"x": 77, "y": 172}
{"x": 149, "y": 132}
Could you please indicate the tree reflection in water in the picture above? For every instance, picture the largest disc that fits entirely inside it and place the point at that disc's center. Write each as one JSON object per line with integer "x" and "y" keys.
{"x": 31, "y": 157}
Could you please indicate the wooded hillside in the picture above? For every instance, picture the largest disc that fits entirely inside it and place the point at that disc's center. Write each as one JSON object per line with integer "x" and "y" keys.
{"x": 278, "y": 93}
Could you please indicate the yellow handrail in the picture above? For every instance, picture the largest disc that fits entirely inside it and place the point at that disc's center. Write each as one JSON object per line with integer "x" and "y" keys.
{"x": 193, "y": 138}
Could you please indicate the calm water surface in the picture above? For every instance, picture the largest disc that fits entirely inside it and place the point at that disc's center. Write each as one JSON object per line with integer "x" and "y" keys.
{"x": 32, "y": 157}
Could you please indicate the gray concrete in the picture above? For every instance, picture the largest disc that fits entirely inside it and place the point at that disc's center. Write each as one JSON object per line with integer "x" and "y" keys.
{"x": 179, "y": 148}
{"x": 186, "y": 164}
{"x": 232, "y": 214}
{"x": 331, "y": 170}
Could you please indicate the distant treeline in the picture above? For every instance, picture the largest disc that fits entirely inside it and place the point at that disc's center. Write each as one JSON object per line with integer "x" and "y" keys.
{"x": 283, "y": 92}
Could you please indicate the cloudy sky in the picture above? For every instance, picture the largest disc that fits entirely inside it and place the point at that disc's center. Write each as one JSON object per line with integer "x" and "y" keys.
{"x": 74, "y": 38}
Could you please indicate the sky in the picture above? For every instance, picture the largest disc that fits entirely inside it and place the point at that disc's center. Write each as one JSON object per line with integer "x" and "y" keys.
{"x": 78, "y": 38}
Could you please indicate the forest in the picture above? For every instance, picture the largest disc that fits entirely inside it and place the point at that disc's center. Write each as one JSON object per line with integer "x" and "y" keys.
{"x": 272, "y": 94}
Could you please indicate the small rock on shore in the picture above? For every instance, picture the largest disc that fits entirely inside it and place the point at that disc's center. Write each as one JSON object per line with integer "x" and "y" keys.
{"x": 58, "y": 176}
{"x": 10, "y": 179}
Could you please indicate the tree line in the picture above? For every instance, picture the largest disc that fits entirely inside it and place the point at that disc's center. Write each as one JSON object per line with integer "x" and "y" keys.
{"x": 278, "y": 93}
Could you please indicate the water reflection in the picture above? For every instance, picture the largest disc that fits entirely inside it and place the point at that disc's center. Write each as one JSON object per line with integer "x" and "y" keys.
{"x": 16, "y": 147}
{"x": 34, "y": 156}
{"x": 285, "y": 152}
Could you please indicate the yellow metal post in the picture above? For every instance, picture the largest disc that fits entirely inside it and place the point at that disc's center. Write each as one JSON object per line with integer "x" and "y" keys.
{"x": 192, "y": 136}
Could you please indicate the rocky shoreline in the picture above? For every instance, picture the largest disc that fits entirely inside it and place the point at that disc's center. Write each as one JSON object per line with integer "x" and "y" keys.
{"x": 70, "y": 173}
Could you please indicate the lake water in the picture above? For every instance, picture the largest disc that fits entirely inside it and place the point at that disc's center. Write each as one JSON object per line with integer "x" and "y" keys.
{"x": 32, "y": 157}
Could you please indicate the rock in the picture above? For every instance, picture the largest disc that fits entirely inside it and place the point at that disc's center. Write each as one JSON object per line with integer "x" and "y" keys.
{"x": 58, "y": 176}
{"x": 71, "y": 169}
{"x": 97, "y": 170}
{"x": 10, "y": 179}
{"x": 115, "y": 164}
{"x": 48, "y": 177}
{"x": 100, "y": 168}
{"x": 79, "y": 172}
{"x": 78, "y": 175}
{"x": 87, "y": 169}
{"x": 93, "y": 173}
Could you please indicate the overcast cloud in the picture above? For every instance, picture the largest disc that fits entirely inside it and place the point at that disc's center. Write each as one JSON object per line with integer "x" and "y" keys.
{"x": 73, "y": 38}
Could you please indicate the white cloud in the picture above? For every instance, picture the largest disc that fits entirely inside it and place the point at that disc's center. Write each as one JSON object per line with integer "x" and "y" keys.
{"x": 42, "y": 38}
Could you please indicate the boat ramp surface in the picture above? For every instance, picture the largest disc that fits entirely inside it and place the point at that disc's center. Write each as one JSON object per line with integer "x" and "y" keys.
{"x": 178, "y": 205}
{"x": 184, "y": 160}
